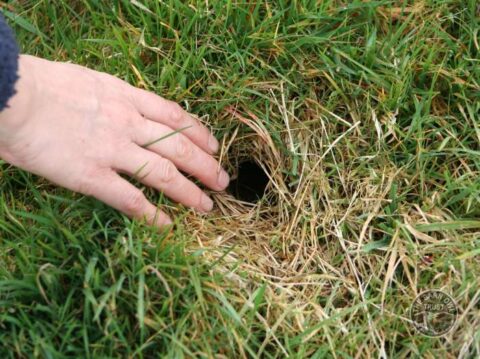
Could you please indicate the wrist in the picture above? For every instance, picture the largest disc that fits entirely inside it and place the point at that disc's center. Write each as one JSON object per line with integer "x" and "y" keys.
{"x": 20, "y": 104}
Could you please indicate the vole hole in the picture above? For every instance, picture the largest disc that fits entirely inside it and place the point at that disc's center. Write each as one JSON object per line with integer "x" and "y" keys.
{"x": 251, "y": 182}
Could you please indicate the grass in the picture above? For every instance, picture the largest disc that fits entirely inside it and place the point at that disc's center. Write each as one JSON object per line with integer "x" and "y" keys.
{"x": 366, "y": 116}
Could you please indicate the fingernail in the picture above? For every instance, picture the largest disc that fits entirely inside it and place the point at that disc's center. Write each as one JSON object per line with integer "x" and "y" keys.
{"x": 207, "y": 203}
{"x": 213, "y": 144}
{"x": 223, "y": 179}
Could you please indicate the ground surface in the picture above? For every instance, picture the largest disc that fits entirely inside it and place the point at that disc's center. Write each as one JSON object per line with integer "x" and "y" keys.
{"x": 365, "y": 115}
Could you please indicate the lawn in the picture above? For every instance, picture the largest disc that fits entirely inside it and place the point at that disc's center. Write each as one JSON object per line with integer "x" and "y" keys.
{"x": 365, "y": 116}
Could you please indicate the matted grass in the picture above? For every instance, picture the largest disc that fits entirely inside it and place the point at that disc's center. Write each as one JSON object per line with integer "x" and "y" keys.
{"x": 365, "y": 114}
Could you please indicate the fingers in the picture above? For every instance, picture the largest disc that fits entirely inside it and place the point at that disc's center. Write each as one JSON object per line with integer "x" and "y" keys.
{"x": 161, "y": 174}
{"x": 171, "y": 114}
{"x": 186, "y": 155}
{"x": 118, "y": 193}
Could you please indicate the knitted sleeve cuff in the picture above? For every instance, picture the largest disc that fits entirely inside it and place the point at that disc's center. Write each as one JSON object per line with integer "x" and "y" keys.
{"x": 8, "y": 63}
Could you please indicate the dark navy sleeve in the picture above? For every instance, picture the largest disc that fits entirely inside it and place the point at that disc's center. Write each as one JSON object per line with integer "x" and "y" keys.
{"x": 8, "y": 63}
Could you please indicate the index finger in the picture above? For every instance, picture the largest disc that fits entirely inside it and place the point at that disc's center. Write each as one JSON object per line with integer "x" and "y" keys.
{"x": 170, "y": 113}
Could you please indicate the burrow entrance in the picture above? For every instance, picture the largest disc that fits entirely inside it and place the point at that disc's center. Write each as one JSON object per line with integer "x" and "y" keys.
{"x": 250, "y": 183}
{"x": 253, "y": 167}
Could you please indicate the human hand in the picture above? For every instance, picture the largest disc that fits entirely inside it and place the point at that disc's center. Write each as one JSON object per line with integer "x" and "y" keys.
{"x": 79, "y": 128}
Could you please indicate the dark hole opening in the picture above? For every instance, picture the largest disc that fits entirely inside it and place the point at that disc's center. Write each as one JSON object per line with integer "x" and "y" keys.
{"x": 251, "y": 182}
